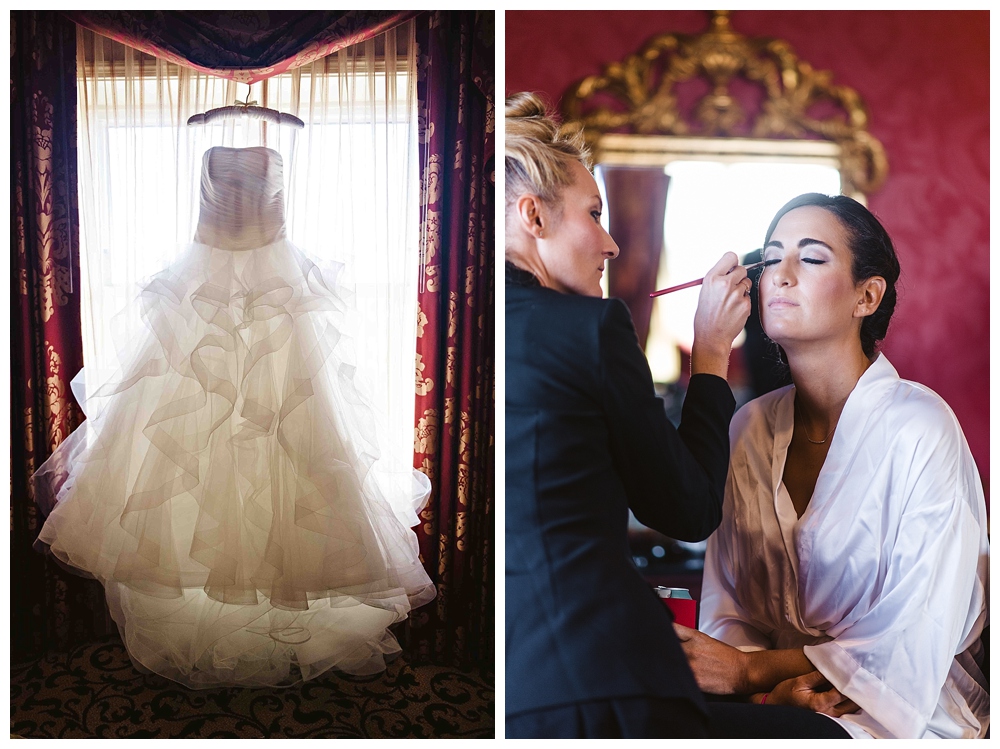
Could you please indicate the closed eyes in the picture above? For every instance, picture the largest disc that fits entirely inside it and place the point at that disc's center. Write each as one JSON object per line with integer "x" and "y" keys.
{"x": 810, "y": 260}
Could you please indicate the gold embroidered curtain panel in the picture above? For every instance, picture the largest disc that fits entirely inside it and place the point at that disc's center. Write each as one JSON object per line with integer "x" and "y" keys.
{"x": 48, "y": 606}
{"x": 455, "y": 343}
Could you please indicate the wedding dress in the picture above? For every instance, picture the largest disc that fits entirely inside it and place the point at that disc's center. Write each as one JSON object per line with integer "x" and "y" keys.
{"x": 225, "y": 487}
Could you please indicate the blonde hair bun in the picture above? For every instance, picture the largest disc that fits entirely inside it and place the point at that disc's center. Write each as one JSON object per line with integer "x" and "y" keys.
{"x": 538, "y": 150}
{"x": 525, "y": 104}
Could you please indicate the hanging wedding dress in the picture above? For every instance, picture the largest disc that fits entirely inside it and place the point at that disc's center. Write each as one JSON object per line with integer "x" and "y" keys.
{"x": 226, "y": 488}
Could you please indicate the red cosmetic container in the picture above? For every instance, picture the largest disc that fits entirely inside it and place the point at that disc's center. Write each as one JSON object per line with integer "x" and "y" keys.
{"x": 679, "y": 601}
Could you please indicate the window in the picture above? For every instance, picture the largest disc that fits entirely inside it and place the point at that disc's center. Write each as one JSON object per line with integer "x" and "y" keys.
{"x": 351, "y": 187}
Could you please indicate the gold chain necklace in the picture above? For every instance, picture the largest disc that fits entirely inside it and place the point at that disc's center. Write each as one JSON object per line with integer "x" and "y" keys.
{"x": 812, "y": 441}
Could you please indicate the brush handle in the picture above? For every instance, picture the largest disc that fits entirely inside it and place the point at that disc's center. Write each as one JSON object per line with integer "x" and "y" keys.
{"x": 698, "y": 281}
{"x": 688, "y": 285}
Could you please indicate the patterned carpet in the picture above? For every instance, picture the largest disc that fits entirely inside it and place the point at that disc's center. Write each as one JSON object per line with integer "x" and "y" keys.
{"x": 94, "y": 692}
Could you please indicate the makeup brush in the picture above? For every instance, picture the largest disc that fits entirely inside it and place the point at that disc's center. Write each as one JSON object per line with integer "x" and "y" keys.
{"x": 698, "y": 281}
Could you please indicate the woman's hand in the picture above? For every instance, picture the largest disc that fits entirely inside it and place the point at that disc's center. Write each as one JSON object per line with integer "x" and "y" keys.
{"x": 811, "y": 691}
{"x": 723, "y": 309}
{"x": 718, "y": 668}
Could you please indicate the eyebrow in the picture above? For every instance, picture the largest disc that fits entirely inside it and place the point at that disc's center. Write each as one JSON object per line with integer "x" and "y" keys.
{"x": 804, "y": 242}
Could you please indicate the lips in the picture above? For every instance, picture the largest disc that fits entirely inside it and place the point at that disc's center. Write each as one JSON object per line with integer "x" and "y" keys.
{"x": 781, "y": 302}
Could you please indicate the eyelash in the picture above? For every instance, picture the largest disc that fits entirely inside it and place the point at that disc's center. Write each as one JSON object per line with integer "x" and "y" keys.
{"x": 596, "y": 215}
{"x": 810, "y": 260}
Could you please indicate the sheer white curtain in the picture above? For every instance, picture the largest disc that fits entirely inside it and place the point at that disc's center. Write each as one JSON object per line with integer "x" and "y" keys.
{"x": 350, "y": 188}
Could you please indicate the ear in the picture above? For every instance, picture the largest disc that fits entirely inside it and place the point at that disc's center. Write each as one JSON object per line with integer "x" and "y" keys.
{"x": 871, "y": 292}
{"x": 532, "y": 215}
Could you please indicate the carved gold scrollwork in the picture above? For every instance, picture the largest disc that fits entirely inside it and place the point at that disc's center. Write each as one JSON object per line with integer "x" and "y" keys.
{"x": 639, "y": 96}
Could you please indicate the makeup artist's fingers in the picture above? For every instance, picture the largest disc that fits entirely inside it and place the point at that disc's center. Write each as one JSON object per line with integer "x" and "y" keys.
{"x": 735, "y": 273}
{"x": 723, "y": 305}
{"x": 727, "y": 263}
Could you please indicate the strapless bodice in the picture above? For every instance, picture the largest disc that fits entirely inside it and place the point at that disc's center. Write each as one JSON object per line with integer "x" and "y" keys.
{"x": 242, "y": 198}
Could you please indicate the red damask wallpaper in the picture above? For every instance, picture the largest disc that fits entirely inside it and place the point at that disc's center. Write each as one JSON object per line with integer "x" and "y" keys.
{"x": 925, "y": 78}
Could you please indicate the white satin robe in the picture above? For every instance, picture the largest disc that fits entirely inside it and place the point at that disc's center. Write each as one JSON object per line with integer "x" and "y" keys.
{"x": 883, "y": 581}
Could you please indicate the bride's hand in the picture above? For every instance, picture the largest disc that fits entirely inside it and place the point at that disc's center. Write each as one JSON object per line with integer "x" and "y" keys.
{"x": 811, "y": 691}
{"x": 718, "y": 668}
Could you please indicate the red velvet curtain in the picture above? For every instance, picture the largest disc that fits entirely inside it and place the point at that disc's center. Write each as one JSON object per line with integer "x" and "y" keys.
{"x": 49, "y": 608}
{"x": 244, "y": 45}
{"x": 637, "y": 205}
{"x": 455, "y": 350}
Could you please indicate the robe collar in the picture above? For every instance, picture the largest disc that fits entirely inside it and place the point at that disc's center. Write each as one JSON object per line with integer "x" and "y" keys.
{"x": 875, "y": 384}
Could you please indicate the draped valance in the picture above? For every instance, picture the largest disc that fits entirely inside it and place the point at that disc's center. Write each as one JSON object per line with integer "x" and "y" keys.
{"x": 246, "y": 46}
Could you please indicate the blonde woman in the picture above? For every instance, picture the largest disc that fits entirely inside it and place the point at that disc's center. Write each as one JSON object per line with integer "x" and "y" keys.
{"x": 590, "y": 649}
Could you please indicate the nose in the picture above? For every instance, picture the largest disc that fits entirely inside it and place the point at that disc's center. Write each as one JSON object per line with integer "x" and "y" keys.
{"x": 610, "y": 247}
{"x": 781, "y": 274}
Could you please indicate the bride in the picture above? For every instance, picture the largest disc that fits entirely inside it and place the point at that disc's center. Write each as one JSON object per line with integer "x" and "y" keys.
{"x": 850, "y": 572}
{"x": 225, "y": 488}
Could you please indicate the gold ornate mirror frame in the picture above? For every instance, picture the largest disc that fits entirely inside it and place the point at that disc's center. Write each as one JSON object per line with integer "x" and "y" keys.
{"x": 630, "y": 114}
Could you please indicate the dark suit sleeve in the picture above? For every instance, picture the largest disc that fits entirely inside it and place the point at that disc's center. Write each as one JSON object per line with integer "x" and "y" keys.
{"x": 674, "y": 479}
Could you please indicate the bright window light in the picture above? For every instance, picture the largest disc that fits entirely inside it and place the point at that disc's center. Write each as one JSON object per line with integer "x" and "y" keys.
{"x": 351, "y": 197}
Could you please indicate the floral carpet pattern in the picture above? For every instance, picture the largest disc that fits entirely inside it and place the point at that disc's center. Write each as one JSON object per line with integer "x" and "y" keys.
{"x": 95, "y": 692}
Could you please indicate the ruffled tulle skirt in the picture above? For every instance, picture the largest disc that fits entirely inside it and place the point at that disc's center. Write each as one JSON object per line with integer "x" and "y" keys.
{"x": 226, "y": 487}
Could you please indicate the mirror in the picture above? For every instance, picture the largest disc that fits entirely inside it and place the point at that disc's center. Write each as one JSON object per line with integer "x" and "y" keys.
{"x": 720, "y": 195}
{"x": 697, "y": 141}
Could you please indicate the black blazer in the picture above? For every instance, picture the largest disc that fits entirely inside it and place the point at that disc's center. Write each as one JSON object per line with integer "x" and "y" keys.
{"x": 587, "y": 439}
